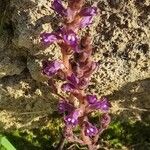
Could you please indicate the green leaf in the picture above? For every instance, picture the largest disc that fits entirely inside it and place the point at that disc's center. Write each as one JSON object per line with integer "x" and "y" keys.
{"x": 5, "y": 144}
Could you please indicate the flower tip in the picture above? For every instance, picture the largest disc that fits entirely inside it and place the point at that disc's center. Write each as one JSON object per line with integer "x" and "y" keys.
{"x": 72, "y": 119}
{"x": 68, "y": 87}
{"x": 50, "y": 68}
{"x": 48, "y": 38}
{"x": 90, "y": 130}
{"x": 59, "y": 8}
{"x": 91, "y": 99}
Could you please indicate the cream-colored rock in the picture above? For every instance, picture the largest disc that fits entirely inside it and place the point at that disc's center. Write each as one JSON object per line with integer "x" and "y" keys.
{"x": 9, "y": 66}
{"x": 31, "y": 18}
{"x": 35, "y": 68}
{"x": 22, "y": 100}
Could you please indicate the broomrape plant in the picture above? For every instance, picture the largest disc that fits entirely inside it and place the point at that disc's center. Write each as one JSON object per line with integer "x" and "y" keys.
{"x": 75, "y": 69}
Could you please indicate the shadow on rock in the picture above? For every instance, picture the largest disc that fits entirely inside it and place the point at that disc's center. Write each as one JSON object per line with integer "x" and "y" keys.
{"x": 133, "y": 100}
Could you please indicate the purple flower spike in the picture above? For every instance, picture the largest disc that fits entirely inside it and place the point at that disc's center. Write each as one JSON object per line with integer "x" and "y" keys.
{"x": 64, "y": 106}
{"x": 92, "y": 99}
{"x": 67, "y": 87}
{"x": 58, "y": 7}
{"x": 50, "y": 68}
{"x": 90, "y": 130}
{"x": 72, "y": 119}
{"x": 48, "y": 38}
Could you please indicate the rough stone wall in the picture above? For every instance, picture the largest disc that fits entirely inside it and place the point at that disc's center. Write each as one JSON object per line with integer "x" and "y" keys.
{"x": 121, "y": 40}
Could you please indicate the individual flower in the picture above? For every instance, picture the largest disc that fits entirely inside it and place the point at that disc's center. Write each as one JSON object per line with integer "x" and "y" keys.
{"x": 59, "y": 8}
{"x": 72, "y": 118}
{"x": 86, "y": 21}
{"x": 70, "y": 37}
{"x": 87, "y": 15}
{"x": 71, "y": 84}
{"x": 74, "y": 83}
{"x": 50, "y": 68}
{"x": 88, "y": 11}
{"x": 73, "y": 79}
{"x": 64, "y": 106}
{"x": 67, "y": 36}
{"x": 102, "y": 104}
{"x": 91, "y": 99}
{"x": 68, "y": 87}
{"x": 48, "y": 38}
{"x": 90, "y": 130}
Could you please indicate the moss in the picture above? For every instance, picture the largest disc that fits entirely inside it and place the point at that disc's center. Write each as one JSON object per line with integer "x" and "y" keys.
{"x": 120, "y": 134}
{"x": 128, "y": 134}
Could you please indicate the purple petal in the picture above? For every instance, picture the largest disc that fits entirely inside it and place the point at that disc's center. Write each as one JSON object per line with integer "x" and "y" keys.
{"x": 58, "y": 7}
{"x": 73, "y": 79}
{"x": 72, "y": 119}
{"x": 50, "y": 68}
{"x": 90, "y": 130}
{"x": 103, "y": 105}
{"x": 87, "y": 16}
{"x": 70, "y": 38}
{"x": 86, "y": 21}
{"x": 89, "y": 11}
{"x": 48, "y": 38}
{"x": 91, "y": 99}
{"x": 64, "y": 106}
{"x": 67, "y": 87}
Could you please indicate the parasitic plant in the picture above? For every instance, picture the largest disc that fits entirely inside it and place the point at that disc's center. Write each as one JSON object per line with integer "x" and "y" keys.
{"x": 74, "y": 70}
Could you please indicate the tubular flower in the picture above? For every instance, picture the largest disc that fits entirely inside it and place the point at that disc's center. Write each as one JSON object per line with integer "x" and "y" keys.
{"x": 73, "y": 79}
{"x": 70, "y": 38}
{"x": 87, "y": 15}
{"x": 58, "y": 7}
{"x": 48, "y": 38}
{"x": 89, "y": 11}
{"x": 91, "y": 99}
{"x": 50, "y": 68}
{"x": 94, "y": 103}
{"x": 90, "y": 130}
{"x": 67, "y": 87}
{"x": 102, "y": 104}
{"x": 72, "y": 119}
{"x": 71, "y": 84}
{"x": 74, "y": 83}
{"x": 67, "y": 36}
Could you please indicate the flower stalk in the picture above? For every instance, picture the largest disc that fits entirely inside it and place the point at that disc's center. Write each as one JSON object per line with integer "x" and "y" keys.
{"x": 75, "y": 70}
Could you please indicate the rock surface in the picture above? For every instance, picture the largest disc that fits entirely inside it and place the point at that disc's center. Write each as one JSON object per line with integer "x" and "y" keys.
{"x": 121, "y": 40}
